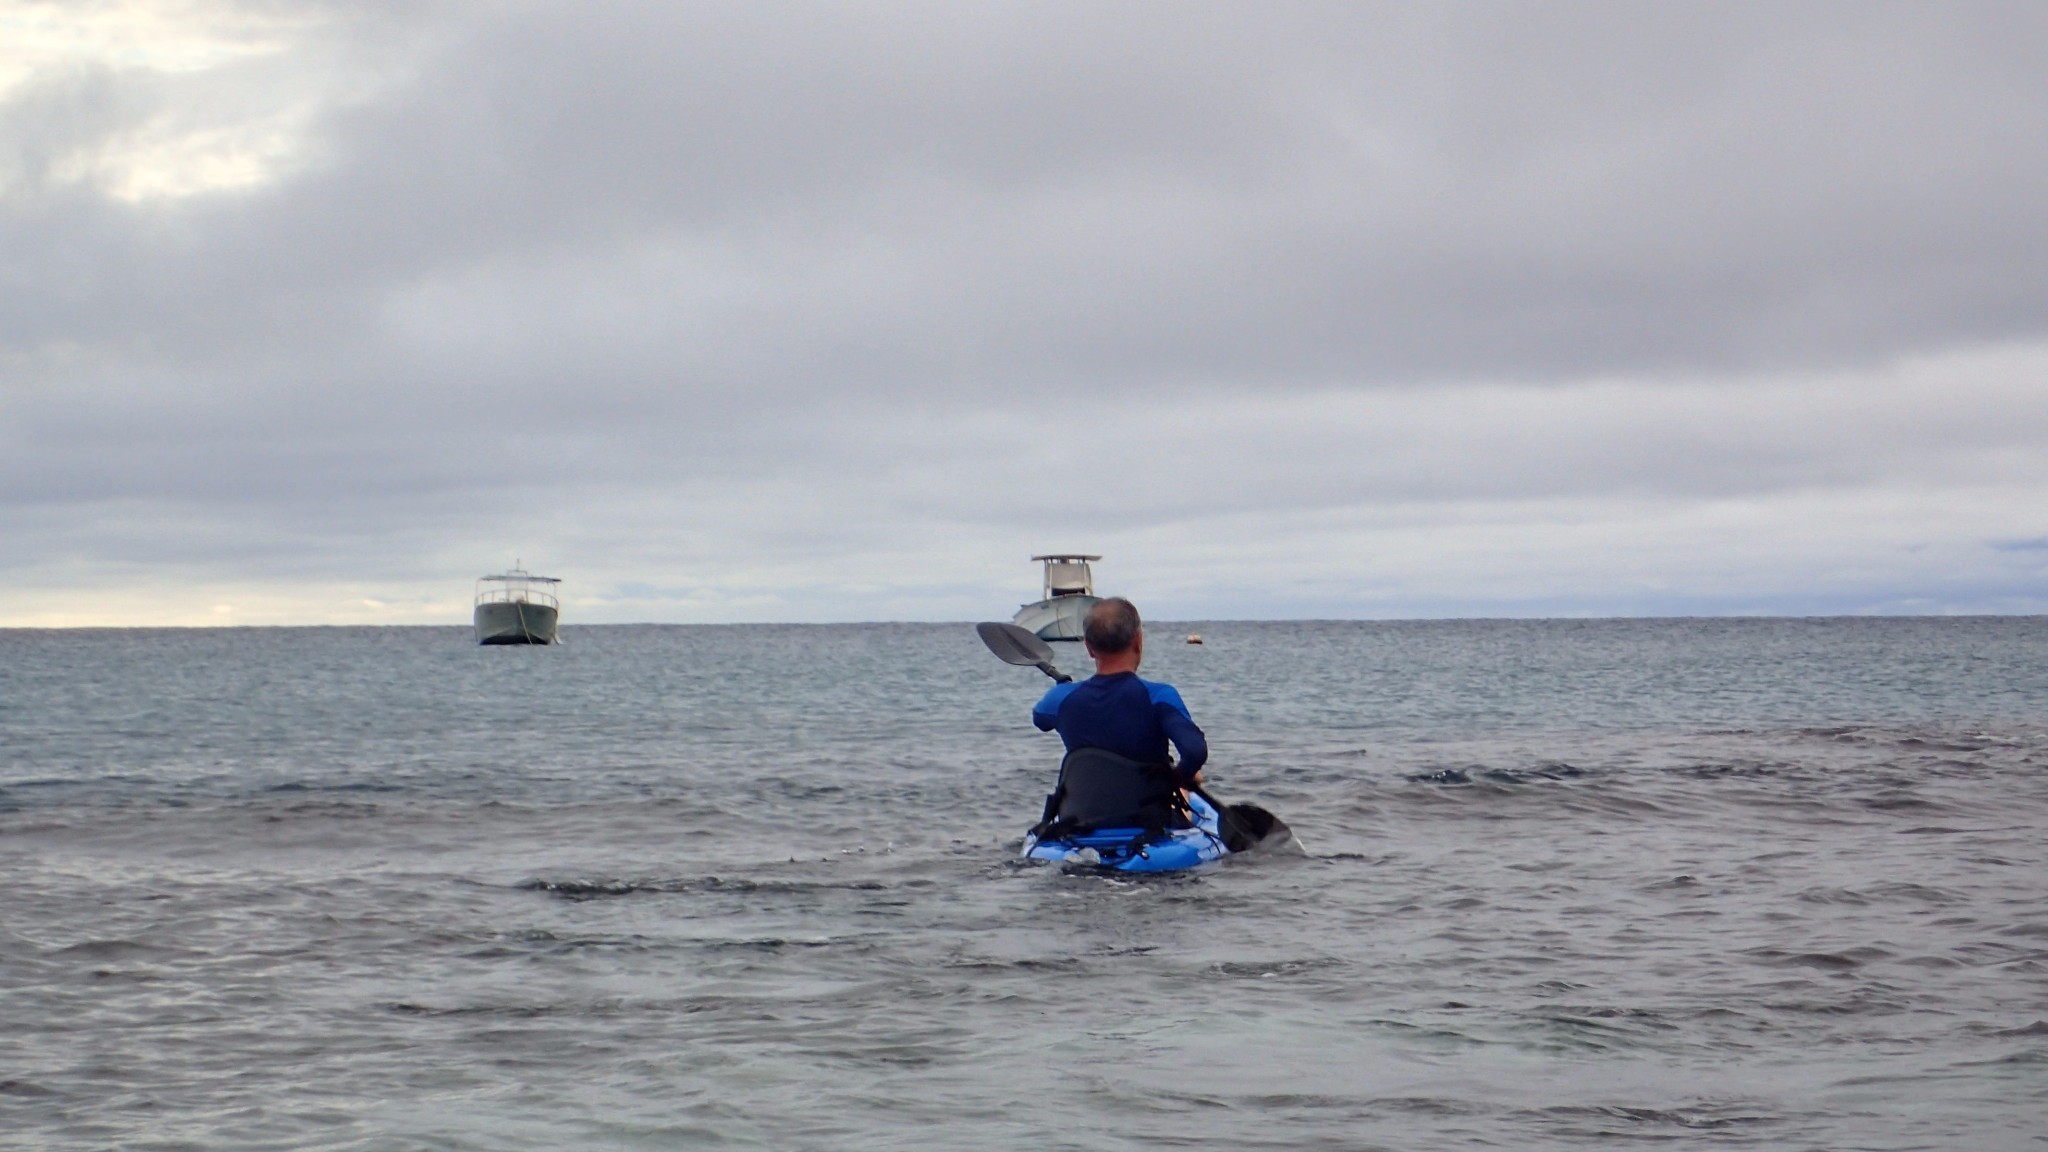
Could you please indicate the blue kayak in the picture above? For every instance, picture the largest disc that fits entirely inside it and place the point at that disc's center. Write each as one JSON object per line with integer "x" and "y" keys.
{"x": 1133, "y": 850}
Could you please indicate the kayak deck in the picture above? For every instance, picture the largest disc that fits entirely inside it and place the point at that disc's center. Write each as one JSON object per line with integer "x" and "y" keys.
{"x": 1127, "y": 850}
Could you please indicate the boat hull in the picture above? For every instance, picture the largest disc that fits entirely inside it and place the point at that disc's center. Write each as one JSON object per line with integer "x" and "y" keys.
{"x": 1059, "y": 618}
{"x": 514, "y": 622}
{"x": 1112, "y": 849}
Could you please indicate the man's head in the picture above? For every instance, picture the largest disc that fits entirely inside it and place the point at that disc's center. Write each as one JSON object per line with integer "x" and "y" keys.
{"x": 1114, "y": 635}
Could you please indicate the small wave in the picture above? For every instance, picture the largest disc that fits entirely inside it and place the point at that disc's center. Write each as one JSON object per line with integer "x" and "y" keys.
{"x": 1027, "y": 964}
{"x": 2037, "y": 1028}
{"x": 1727, "y": 771}
{"x": 1260, "y": 971}
{"x": 1558, "y": 770}
{"x": 1898, "y": 802}
{"x": 1706, "y": 1117}
{"x": 588, "y": 889}
{"x": 1298, "y": 1100}
{"x": 1843, "y": 961}
{"x": 1942, "y": 745}
{"x": 600, "y": 889}
{"x": 1675, "y": 883}
{"x": 1918, "y": 893}
{"x": 1846, "y": 896}
{"x": 769, "y": 944}
{"x": 2028, "y": 1057}
{"x": 113, "y": 950}
{"x": 1427, "y": 1106}
{"x": 505, "y": 1011}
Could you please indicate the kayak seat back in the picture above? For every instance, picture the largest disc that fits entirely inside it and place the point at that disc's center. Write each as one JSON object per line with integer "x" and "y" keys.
{"x": 1100, "y": 789}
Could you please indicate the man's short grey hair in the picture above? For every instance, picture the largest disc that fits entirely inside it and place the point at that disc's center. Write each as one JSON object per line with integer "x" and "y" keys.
{"x": 1112, "y": 626}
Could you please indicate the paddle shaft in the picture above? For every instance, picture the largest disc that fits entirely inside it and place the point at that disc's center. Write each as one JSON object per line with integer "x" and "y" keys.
{"x": 1223, "y": 817}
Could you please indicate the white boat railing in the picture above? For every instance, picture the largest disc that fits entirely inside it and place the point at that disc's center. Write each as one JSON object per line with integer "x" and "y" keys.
{"x": 517, "y": 587}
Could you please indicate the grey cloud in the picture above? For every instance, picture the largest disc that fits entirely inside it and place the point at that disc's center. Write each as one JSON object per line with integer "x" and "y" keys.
{"x": 1082, "y": 191}
{"x": 927, "y": 257}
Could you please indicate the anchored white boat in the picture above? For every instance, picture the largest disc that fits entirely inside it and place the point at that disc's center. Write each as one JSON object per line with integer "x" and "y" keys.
{"x": 1069, "y": 594}
{"x": 516, "y": 607}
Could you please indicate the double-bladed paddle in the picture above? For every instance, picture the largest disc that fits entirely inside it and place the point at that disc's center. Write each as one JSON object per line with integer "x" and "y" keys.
{"x": 1016, "y": 644}
{"x": 1244, "y": 826}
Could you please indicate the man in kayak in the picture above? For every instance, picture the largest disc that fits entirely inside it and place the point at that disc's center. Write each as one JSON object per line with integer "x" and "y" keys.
{"x": 1116, "y": 711}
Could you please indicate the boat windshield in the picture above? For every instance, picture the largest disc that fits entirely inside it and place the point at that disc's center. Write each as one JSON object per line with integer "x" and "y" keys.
{"x": 517, "y": 587}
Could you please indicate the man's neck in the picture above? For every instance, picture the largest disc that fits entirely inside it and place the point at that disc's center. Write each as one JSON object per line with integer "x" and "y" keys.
{"x": 1112, "y": 665}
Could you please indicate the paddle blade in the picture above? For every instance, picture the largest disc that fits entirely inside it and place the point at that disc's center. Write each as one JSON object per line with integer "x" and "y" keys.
{"x": 1014, "y": 645}
{"x": 1247, "y": 827}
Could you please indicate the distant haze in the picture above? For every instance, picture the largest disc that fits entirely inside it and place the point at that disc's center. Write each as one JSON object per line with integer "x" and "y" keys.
{"x": 753, "y": 311}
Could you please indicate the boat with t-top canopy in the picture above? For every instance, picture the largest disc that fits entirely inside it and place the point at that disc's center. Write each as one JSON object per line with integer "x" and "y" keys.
{"x": 1069, "y": 594}
{"x": 516, "y": 607}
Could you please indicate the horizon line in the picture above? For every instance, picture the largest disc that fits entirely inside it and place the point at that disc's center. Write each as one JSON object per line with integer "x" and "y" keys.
{"x": 1647, "y": 617}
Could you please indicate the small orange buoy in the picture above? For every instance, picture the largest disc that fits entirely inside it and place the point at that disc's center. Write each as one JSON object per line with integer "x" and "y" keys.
{"x": 1194, "y": 637}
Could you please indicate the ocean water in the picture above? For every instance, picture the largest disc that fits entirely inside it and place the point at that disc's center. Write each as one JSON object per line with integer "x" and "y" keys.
{"x": 1570, "y": 884}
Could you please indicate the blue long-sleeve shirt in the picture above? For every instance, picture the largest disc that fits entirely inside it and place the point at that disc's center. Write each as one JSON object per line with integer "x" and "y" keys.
{"x": 1128, "y": 716}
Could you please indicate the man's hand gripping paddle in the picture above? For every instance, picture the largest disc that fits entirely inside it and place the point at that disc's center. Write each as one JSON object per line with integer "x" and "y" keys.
{"x": 1244, "y": 826}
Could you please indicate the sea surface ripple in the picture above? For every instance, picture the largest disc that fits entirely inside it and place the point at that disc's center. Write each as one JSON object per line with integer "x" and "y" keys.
{"x": 1566, "y": 884}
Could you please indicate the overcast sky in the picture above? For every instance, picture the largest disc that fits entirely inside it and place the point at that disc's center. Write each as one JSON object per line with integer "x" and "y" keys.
{"x": 755, "y": 311}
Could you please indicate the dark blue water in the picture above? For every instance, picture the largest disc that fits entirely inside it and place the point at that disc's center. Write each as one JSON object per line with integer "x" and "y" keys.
{"x": 1775, "y": 883}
